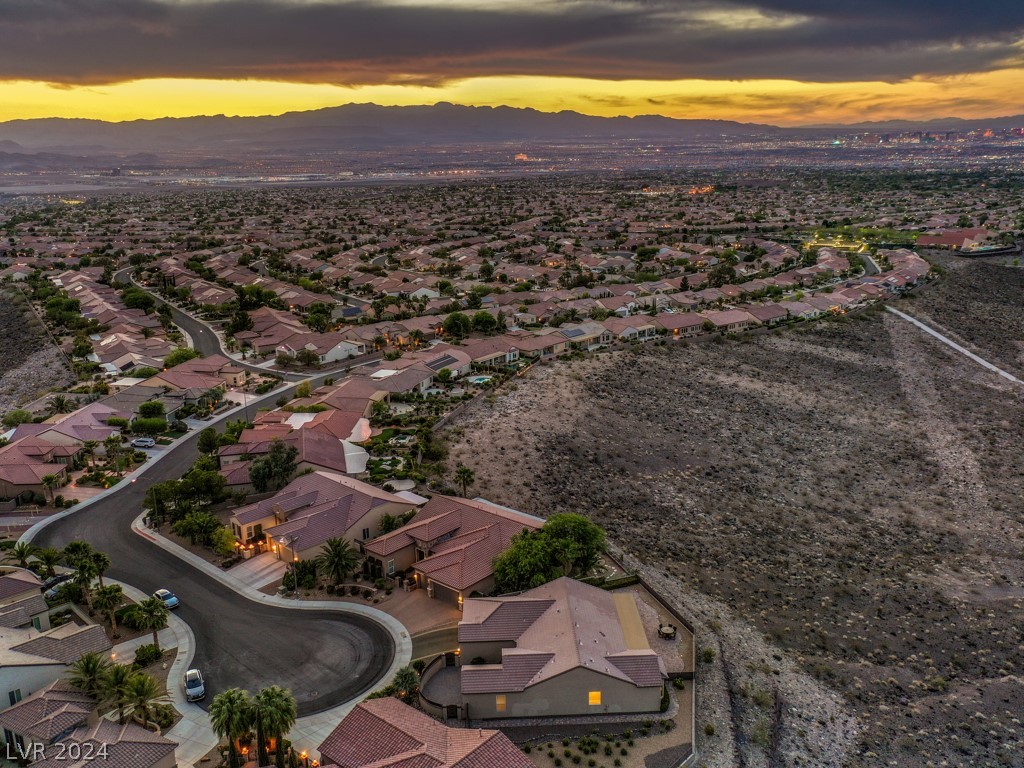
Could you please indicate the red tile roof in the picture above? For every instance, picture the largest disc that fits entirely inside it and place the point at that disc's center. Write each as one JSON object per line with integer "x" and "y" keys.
{"x": 385, "y": 733}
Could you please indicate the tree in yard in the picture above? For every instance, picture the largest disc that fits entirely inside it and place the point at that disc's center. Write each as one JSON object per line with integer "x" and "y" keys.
{"x": 465, "y": 477}
{"x": 115, "y": 687}
{"x": 88, "y": 673}
{"x": 304, "y": 389}
{"x": 208, "y": 441}
{"x": 456, "y": 325}
{"x": 528, "y": 562}
{"x": 444, "y": 375}
{"x": 308, "y": 358}
{"x": 152, "y": 615}
{"x": 230, "y": 716}
{"x": 152, "y": 409}
{"x": 100, "y": 563}
{"x": 60, "y": 404}
{"x": 273, "y": 712}
{"x": 90, "y": 447}
{"x": 283, "y": 360}
{"x": 50, "y": 482}
{"x": 273, "y": 470}
{"x": 84, "y": 574}
{"x": 20, "y": 553}
{"x": 77, "y": 551}
{"x": 198, "y": 527}
{"x": 222, "y": 541}
{"x": 143, "y": 693}
{"x": 484, "y": 322}
{"x": 179, "y": 356}
{"x": 577, "y": 542}
{"x": 337, "y": 559}
{"x": 49, "y": 558}
{"x": 107, "y": 600}
{"x": 112, "y": 448}
{"x": 406, "y": 683}
{"x": 150, "y": 427}
{"x": 211, "y": 398}
{"x": 16, "y": 417}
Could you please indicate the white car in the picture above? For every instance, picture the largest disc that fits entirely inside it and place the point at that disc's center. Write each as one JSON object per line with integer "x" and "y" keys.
{"x": 167, "y": 597}
{"x": 195, "y": 689}
{"x": 143, "y": 442}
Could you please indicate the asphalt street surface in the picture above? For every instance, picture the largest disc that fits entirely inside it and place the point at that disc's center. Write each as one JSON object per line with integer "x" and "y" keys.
{"x": 325, "y": 658}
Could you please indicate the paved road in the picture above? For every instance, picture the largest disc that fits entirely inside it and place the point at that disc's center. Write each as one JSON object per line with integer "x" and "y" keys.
{"x": 324, "y": 658}
{"x": 949, "y": 342}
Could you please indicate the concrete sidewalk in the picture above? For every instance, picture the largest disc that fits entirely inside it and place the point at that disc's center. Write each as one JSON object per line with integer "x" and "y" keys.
{"x": 194, "y": 732}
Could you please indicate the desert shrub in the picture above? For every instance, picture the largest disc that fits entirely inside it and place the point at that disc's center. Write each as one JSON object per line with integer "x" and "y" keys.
{"x": 419, "y": 665}
{"x": 128, "y": 617}
{"x": 709, "y": 730}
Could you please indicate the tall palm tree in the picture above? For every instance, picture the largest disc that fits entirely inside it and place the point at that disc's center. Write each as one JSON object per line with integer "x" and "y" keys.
{"x": 112, "y": 447}
{"x": 60, "y": 404}
{"x": 142, "y": 695}
{"x": 90, "y": 447}
{"x": 100, "y": 563}
{"x": 152, "y": 615}
{"x": 89, "y": 672}
{"x": 337, "y": 559}
{"x": 50, "y": 481}
{"x": 230, "y": 718}
{"x": 465, "y": 477}
{"x": 76, "y": 551}
{"x": 49, "y": 558}
{"x": 20, "y": 553}
{"x": 274, "y": 711}
{"x": 115, "y": 688}
{"x": 84, "y": 574}
{"x": 107, "y": 600}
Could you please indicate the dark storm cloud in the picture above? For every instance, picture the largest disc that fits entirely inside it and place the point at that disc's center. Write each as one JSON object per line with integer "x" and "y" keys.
{"x": 100, "y": 41}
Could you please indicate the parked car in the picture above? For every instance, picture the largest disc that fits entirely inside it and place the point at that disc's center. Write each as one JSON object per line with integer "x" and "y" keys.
{"x": 54, "y": 581}
{"x": 54, "y": 591}
{"x": 167, "y": 597}
{"x": 195, "y": 689}
{"x": 143, "y": 442}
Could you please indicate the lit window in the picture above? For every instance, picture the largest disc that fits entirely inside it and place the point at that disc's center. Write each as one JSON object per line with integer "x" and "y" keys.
{"x": 595, "y": 698}
{"x": 499, "y": 703}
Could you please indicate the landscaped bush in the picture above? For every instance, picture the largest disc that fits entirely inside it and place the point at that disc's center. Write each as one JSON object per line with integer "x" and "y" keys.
{"x": 146, "y": 655}
{"x": 127, "y": 616}
{"x": 163, "y": 716}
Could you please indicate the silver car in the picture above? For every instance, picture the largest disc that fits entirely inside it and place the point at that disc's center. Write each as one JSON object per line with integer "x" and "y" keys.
{"x": 195, "y": 689}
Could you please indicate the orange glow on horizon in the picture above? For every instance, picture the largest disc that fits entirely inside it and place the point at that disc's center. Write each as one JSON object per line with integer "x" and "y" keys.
{"x": 779, "y": 102}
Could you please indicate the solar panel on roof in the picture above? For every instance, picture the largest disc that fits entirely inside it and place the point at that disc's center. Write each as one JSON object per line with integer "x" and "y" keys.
{"x": 441, "y": 362}
{"x": 572, "y": 333}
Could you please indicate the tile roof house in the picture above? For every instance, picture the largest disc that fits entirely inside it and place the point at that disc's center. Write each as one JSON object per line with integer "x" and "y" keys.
{"x": 563, "y": 649}
{"x": 314, "y": 508}
{"x": 385, "y": 733}
{"x": 450, "y": 545}
{"x": 61, "y": 715}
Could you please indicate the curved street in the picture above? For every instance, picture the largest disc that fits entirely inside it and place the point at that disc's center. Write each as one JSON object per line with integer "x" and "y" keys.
{"x": 325, "y": 658}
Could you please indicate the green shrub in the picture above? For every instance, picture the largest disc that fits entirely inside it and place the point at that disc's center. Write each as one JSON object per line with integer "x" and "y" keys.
{"x": 709, "y": 730}
{"x": 127, "y": 616}
{"x": 147, "y": 654}
{"x": 419, "y": 665}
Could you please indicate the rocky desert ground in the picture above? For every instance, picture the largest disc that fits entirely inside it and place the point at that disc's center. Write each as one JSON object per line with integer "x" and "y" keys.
{"x": 29, "y": 364}
{"x": 838, "y": 508}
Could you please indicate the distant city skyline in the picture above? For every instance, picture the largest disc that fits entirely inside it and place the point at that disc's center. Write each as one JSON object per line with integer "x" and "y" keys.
{"x": 785, "y": 62}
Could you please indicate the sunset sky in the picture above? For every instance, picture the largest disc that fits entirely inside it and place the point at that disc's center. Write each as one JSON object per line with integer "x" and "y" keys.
{"x": 777, "y": 61}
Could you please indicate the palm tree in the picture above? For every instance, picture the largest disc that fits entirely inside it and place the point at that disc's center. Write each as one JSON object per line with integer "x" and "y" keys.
{"x": 143, "y": 694}
{"x": 152, "y": 615}
{"x": 49, "y": 558}
{"x": 20, "y": 553}
{"x": 90, "y": 447}
{"x": 112, "y": 447}
{"x": 89, "y": 672}
{"x": 464, "y": 476}
{"x": 337, "y": 559}
{"x": 50, "y": 481}
{"x": 230, "y": 718}
{"x": 115, "y": 687}
{"x": 76, "y": 551}
{"x": 107, "y": 600}
{"x": 60, "y": 404}
{"x": 100, "y": 563}
{"x": 273, "y": 711}
{"x": 84, "y": 575}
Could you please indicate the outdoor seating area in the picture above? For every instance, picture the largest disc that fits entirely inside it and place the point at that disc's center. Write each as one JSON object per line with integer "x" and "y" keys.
{"x": 667, "y": 631}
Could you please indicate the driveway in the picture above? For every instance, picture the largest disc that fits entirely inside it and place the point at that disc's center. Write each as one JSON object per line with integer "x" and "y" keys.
{"x": 324, "y": 657}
